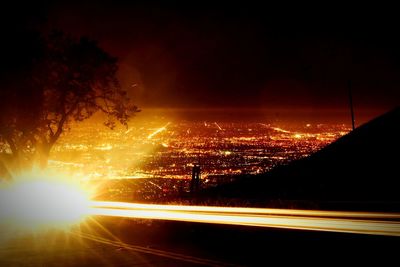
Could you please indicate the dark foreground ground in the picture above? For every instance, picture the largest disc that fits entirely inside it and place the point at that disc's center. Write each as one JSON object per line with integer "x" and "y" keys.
{"x": 160, "y": 243}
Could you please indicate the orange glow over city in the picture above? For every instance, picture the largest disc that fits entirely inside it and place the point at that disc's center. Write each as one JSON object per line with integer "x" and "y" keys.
{"x": 166, "y": 147}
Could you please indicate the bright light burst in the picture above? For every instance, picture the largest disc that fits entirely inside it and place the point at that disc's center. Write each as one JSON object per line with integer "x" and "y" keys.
{"x": 37, "y": 201}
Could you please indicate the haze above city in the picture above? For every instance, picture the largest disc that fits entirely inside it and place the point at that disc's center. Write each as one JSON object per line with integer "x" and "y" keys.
{"x": 219, "y": 55}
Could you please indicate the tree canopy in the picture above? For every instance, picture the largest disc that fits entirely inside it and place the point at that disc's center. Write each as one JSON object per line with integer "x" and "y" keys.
{"x": 49, "y": 81}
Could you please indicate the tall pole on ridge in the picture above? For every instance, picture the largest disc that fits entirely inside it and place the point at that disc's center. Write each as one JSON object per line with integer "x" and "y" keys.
{"x": 351, "y": 105}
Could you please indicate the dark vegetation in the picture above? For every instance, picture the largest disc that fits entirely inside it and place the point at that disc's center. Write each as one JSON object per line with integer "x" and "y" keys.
{"x": 49, "y": 81}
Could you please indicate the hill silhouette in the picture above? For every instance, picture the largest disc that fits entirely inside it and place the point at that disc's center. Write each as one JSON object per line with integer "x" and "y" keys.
{"x": 361, "y": 166}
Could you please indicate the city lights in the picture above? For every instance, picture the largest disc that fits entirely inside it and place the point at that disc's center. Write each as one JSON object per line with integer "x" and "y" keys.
{"x": 171, "y": 147}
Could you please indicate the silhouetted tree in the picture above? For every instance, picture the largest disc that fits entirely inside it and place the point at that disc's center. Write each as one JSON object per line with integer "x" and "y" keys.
{"x": 60, "y": 80}
{"x": 20, "y": 98}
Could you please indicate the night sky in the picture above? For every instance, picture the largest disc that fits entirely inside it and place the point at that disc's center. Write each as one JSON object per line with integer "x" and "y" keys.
{"x": 207, "y": 55}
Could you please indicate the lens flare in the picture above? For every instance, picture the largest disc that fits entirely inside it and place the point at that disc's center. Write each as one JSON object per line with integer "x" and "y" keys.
{"x": 38, "y": 200}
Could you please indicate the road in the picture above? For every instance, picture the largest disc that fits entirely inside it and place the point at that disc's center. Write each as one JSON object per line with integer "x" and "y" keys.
{"x": 131, "y": 237}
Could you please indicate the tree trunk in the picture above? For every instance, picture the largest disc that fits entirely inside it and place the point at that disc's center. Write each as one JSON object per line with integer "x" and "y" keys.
{"x": 44, "y": 156}
{"x": 4, "y": 172}
{"x": 15, "y": 158}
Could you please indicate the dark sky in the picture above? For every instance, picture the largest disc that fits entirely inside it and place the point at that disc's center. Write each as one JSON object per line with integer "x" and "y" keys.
{"x": 202, "y": 54}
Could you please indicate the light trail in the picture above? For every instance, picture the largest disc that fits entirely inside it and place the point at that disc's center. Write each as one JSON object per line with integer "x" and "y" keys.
{"x": 128, "y": 131}
{"x": 37, "y": 201}
{"x": 280, "y": 130}
{"x": 219, "y": 127}
{"x": 259, "y": 211}
{"x": 331, "y": 221}
{"x": 159, "y": 130}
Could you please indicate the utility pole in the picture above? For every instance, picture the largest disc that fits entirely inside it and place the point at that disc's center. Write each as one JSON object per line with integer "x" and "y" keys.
{"x": 351, "y": 105}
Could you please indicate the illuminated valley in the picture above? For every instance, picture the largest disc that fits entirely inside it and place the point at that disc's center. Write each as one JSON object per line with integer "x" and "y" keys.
{"x": 167, "y": 150}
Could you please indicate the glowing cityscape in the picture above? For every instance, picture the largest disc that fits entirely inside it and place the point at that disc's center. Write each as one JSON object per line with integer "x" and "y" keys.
{"x": 169, "y": 149}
